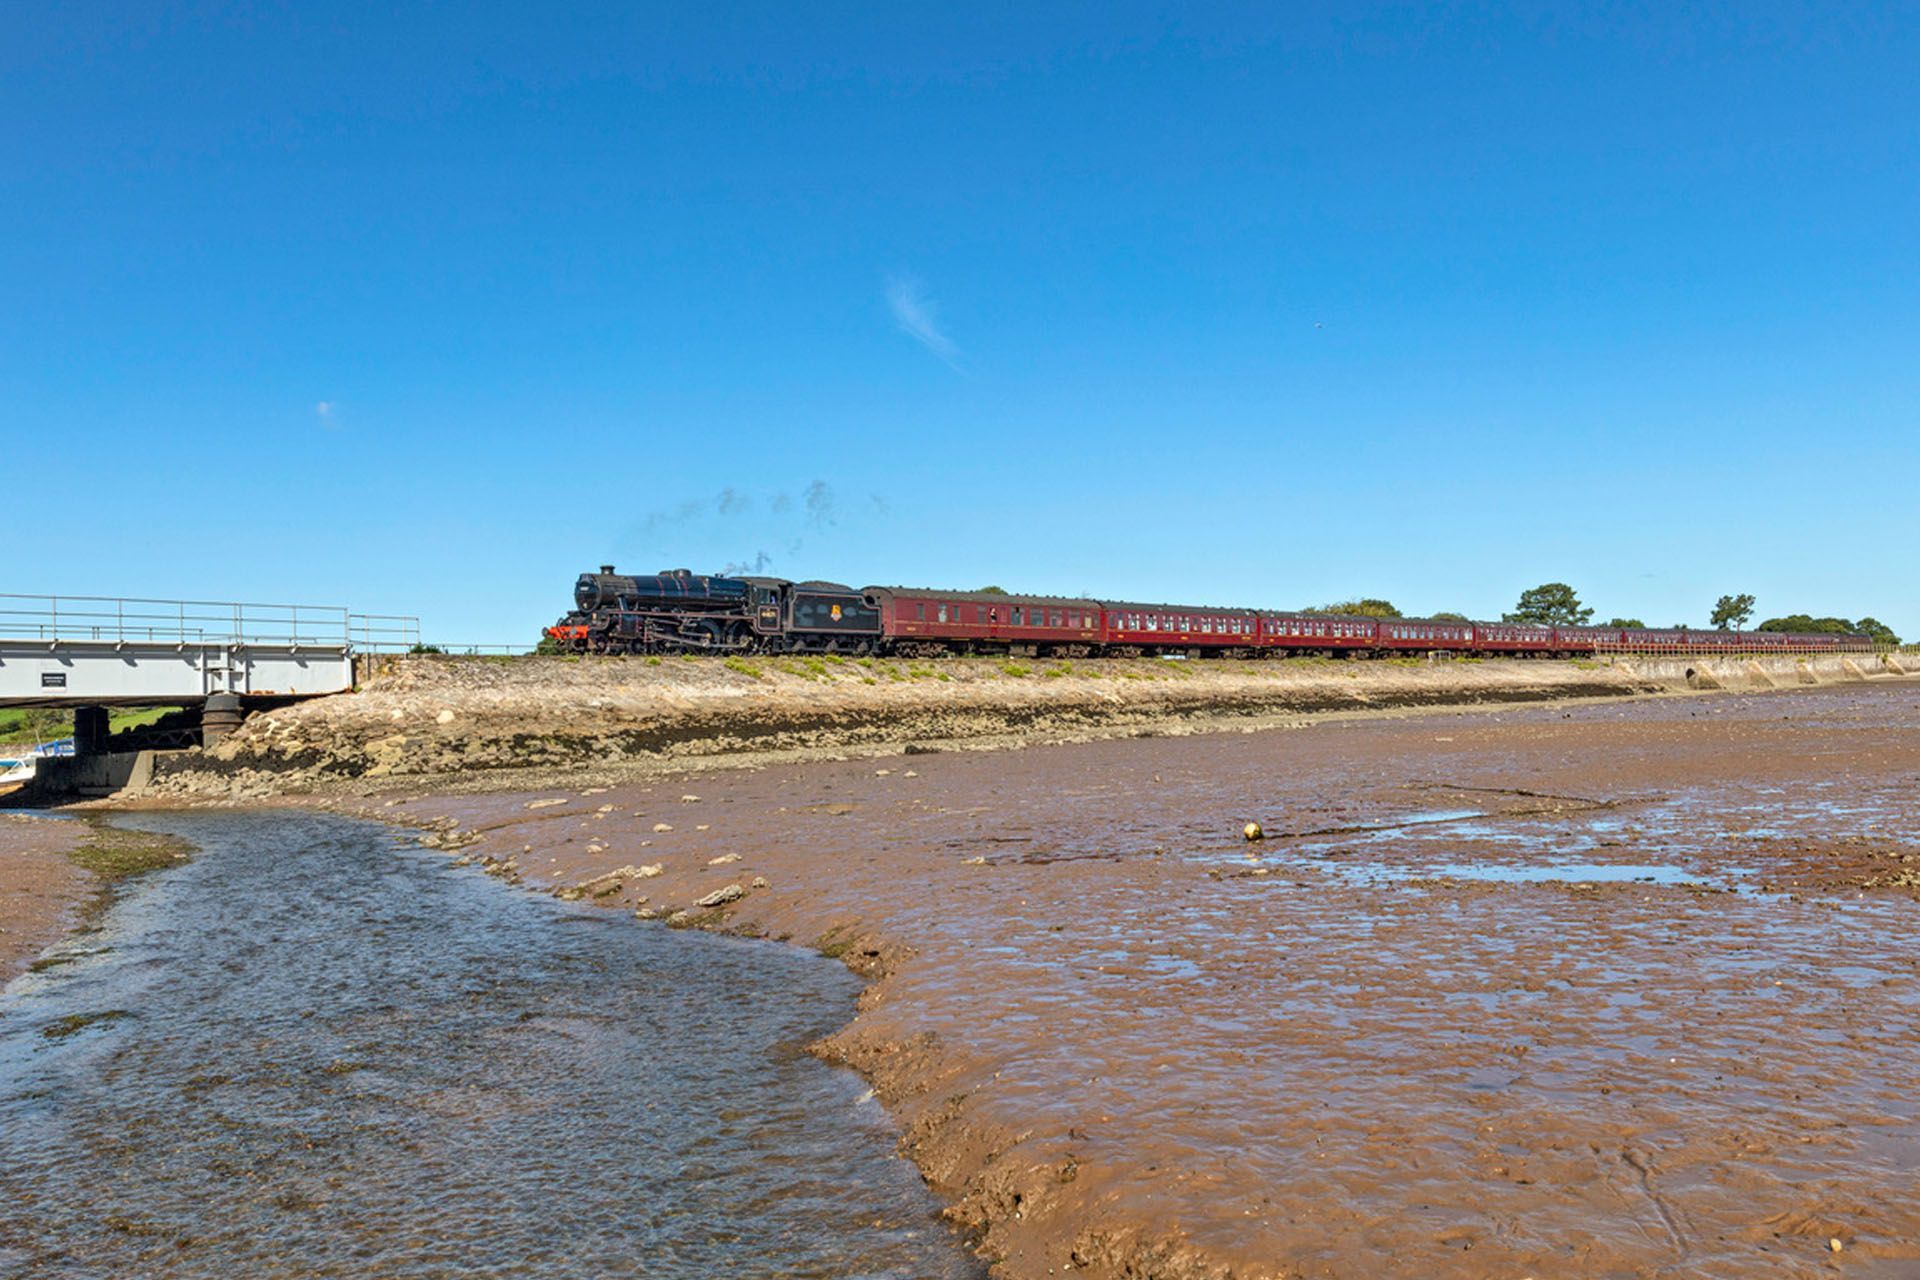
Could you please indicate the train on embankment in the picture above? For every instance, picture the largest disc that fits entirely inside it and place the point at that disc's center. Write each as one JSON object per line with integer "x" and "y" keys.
{"x": 676, "y": 611}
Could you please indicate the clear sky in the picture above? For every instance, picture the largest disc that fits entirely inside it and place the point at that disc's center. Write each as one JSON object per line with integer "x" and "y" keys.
{"x": 425, "y": 309}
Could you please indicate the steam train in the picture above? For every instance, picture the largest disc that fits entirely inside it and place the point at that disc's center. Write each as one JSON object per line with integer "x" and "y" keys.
{"x": 676, "y": 611}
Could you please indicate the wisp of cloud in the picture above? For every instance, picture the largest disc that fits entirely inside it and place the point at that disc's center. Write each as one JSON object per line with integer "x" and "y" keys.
{"x": 914, "y": 312}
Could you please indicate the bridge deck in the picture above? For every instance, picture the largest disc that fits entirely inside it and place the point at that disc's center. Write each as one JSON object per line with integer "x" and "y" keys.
{"x": 73, "y": 651}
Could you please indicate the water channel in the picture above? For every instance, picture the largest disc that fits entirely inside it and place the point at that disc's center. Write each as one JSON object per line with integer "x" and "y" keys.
{"x": 310, "y": 1052}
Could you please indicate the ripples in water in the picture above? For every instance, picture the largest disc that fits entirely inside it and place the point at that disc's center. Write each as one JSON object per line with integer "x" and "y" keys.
{"x": 306, "y": 1053}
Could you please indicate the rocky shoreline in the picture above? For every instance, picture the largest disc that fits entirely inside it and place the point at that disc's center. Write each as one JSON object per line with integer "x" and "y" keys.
{"x": 476, "y": 722}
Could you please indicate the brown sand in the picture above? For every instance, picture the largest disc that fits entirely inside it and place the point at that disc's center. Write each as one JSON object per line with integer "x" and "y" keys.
{"x": 1126, "y": 1043}
{"x": 41, "y": 891}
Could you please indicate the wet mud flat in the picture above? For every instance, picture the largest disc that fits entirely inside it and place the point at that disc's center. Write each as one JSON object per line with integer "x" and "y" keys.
{"x": 315, "y": 1050}
{"x": 41, "y": 887}
{"x": 1613, "y": 990}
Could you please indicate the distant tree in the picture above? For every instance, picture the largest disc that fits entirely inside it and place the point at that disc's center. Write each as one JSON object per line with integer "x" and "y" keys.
{"x": 991, "y": 591}
{"x": 547, "y": 647}
{"x": 1627, "y": 624}
{"x": 1551, "y": 604}
{"x": 1444, "y": 616}
{"x": 1806, "y": 623}
{"x": 1730, "y": 613}
{"x": 424, "y": 649}
{"x": 1880, "y": 631}
{"x": 1368, "y": 608}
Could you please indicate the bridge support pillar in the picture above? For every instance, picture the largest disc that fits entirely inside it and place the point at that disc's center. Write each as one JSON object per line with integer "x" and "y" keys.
{"x": 90, "y": 731}
{"x": 220, "y": 717}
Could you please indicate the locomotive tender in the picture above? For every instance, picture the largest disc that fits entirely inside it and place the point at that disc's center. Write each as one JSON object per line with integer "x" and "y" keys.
{"x": 676, "y": 611}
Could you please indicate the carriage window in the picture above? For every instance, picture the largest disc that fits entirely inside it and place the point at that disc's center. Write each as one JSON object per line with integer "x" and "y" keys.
{"x": 1016, "y": 615}
{"x": 1057, "y": 618}
{"x": 920, "y": 612}
{"x": 942, "y": 613}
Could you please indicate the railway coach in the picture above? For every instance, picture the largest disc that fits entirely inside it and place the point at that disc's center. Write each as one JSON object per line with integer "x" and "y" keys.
{"x": 922, "y": 624}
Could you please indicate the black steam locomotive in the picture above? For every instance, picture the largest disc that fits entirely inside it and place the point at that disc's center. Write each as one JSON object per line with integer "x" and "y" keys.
{"x": 678, "y": 611}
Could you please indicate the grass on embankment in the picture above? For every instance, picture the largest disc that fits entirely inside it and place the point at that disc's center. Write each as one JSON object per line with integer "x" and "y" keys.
{"x": 43, "y": 724}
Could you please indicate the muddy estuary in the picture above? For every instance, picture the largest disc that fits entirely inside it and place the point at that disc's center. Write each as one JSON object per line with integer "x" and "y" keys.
{"x": 1624, "y": 990}
{"x": 314, "y": 1050}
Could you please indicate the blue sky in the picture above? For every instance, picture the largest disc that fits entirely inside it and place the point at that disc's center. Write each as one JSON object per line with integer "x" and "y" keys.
{"x": 425, "y": 311}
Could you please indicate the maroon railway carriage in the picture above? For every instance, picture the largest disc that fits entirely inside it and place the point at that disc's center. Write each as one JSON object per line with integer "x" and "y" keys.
{"x": 1403, "y": 635}
{"x": 1311, "y": 632}
{"x": 1166, "y": 628}
{"x": 924, "y": 622}
{"x": 1512, "y": 638}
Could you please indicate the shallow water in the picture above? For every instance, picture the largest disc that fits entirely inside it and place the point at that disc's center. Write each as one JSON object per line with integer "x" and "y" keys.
{"x": 308, "y": 1052}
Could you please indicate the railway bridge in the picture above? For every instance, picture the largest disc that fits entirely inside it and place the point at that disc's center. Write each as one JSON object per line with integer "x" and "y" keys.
{"x": 215, "y": 660}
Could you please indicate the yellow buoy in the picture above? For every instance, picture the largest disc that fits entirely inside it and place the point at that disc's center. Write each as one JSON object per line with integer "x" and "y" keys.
{"x": 1252, "y": 832}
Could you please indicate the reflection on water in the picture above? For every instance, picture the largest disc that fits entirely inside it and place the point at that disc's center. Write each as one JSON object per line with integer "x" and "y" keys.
{"x": 306, "y": 1053}
{"x": 1570, "y": 872}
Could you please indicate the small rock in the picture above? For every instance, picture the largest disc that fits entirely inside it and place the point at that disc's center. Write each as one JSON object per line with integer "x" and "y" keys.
{"x": 721, "y": 897}
{"x": 605, "y": 808}
{"x": 759, "y": 882}
{"x": 651, "y": 870}
{"x": 723, "y": 859}
{"x": 881, "y": 773}
{"x": 911, "y": 773}
{"x": 1835, "y": 1245}
{"x": 703, "y": 826}
{"x": 445, "y": 717}
{"x": 545, "y": 804}
{"x": 973, "y": 862}
{"x": 689, "y": 799}
{"x": 659, "y": 827}
{"x": 1253, "y": 832}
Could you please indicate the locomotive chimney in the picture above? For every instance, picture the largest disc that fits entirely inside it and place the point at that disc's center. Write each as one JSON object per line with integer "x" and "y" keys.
{"x": 606, "y": 568}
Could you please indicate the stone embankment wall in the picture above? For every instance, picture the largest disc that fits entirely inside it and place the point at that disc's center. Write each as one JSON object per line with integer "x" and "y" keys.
{"x": 435, "y": 717}
{"x": 1768, "y": 672}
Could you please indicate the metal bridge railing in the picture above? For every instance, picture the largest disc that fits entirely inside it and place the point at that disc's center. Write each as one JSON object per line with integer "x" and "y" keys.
{"x": 383, "y": 632}
{"x": 131, "y": 619}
